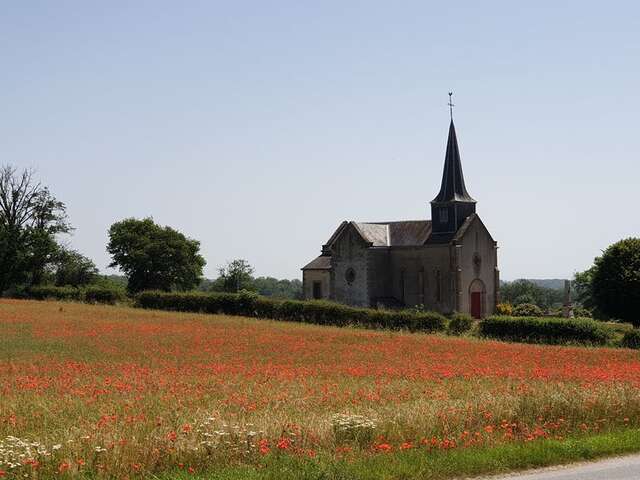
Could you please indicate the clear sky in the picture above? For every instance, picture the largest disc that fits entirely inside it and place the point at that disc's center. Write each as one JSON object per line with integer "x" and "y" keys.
{"x": 257, "y": 127}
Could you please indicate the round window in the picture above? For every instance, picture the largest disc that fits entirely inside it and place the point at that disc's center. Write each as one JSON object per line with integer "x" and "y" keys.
{"x": 350, "y": 275}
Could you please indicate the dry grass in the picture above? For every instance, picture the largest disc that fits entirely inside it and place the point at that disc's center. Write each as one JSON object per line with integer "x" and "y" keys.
{"x": 119, "y": 392}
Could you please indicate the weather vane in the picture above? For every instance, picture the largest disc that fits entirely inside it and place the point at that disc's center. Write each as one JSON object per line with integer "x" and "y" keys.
{"x": 451, "y": 105}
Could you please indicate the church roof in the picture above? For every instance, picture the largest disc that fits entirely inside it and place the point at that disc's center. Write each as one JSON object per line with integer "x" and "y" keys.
{"x": 452, "y": 188}
{"x": 323, "y": 262}
{"x": 395, "y": 234}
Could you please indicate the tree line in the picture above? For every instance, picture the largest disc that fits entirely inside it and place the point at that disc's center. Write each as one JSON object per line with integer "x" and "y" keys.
{"x": 155, "y": 257}
{"x": 33, "y": 223}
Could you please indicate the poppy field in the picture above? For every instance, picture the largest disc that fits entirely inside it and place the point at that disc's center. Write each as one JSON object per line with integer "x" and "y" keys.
{"x": 114, "y": 392}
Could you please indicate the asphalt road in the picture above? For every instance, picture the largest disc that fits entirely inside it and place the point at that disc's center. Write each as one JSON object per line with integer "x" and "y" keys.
{"x": 620, "y": 468}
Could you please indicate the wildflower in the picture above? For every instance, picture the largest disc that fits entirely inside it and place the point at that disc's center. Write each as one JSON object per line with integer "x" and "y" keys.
{"x": 406, "y": 446}
{"x": 284, "y": 444}
{"x": 383, "y": 447}
{"x": 263, "y": 446}
{"x": 63, "y": 467}
{"x": 186, "y": 428}
{"x": 172, "y": 436}
{"x": 191, "y": 470}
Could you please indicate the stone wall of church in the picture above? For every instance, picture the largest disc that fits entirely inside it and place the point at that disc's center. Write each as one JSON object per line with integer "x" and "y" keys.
{"x": 422, "y": 276}
{"x": 478, "y": 261}
{"x": 378, "y": 268}
{"x": 309, "y": 277}
{"x": 349, "y": 262}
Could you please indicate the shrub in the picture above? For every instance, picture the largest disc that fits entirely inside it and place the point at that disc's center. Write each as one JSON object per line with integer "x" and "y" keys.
{"x": 615, "y": 284}
{"x": 315, "y": 311}
{"x": 545, "y": 330}
{"x": 109, "y": 296}
{"x": 460, "y": 323}
{"x": 631, "y": 339}
{"x": 504, "y": 309}
{"x": 527, "y": 310}
{"x": 46, "y": 292}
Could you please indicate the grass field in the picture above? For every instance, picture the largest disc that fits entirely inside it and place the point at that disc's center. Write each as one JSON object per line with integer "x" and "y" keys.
{"x": 115, "y": 392}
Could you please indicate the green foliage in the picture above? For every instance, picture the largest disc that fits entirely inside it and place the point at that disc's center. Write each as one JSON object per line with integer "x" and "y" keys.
{"x": 74, "y": 269}
{"x": 154, "y": 257}
{"x": 460, "y": 323}
{"x": 92, "y": 294}
{"x": 545, "y": 330}
{"x": 582, "y": 286}
{"x": 272, "y": 287}
{"x": 615, "y": 284}
{"x": 526, "y": 291}
{"x": 46, "y": 292}
{"x": 631, "y": 339}
{"x": 504, "y": 309}
{"x": 111, "y": 296}
{"x": 30, "y": 219}
{"x": 235, "y": 276}
{"x": 527, "y": 310}
{"x": 316, "y": 312}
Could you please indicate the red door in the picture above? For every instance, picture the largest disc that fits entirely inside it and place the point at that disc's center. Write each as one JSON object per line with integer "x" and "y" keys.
{"x": 476, "y": 304}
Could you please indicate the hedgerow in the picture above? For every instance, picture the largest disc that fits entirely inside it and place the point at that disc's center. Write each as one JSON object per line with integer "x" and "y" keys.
{"x": 316, "y": 312}
{"x": 90, "y": 294}
{"x": 545, "y": 330}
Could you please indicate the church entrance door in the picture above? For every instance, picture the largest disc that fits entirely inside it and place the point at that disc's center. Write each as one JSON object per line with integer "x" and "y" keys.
{"x": 476, "y": 304}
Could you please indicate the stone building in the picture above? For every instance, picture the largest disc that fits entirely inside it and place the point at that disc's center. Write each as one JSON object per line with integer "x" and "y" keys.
{"x": 447, "y": 264}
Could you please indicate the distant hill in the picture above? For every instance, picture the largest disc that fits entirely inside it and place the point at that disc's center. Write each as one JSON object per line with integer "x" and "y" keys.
{"x": 552, "y": 283}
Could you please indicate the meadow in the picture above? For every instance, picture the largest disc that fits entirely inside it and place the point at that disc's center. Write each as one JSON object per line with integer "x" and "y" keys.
{"x": 114, "y": 392}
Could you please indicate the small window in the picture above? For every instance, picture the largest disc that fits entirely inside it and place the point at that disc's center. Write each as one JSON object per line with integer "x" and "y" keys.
{"x": 350, "y": 275}
{"x": 444, "y": 215}
{"x": 317, "y": 290}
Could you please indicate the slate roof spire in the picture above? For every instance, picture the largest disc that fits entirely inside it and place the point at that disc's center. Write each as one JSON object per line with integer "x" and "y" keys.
{"x": 452, "y": 188}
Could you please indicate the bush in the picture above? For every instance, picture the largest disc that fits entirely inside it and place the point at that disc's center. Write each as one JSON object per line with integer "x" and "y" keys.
{"x": 504, "y": 309}
{"x": 527, "y": 310}
{"x": 631, "y": 339}
{"x": 316, "y": 311}
{"x": 545, "y": 330}
{"x": 460, "y": 323}
{"x": 46, "y": 292}
{"x": 109, "y": 296}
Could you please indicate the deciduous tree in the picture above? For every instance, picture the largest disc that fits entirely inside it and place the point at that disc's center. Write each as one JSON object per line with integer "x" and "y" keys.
{"x": 154, "y": 257}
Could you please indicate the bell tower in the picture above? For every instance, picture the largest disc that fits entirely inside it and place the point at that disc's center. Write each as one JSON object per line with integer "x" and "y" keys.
{"x": 453, "y": 204}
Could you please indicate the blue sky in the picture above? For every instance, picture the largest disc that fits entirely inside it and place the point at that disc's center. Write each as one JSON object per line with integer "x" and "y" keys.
{"x": 256, "y": 127}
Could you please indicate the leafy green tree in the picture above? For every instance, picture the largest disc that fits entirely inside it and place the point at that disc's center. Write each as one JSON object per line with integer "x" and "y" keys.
{"x": 73, "y": 268}
{"x": 30, "y": 219}
{"x": 235, "y": 276}
{"x": 154, "y": 257}
{"x": 615, "y": 282}
{"x": 582, "y": 287}
{"x": 525, "y": 291}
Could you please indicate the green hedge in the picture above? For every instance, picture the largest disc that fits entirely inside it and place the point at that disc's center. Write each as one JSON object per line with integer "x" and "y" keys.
{"x": 89, "y": 294}
{"x": 460, "y": 323}
{"x": 54, "y": 293}
{"x": 545, "y": 330}
{"x": 631, "y": 339}
{"x": 316, "y": 312}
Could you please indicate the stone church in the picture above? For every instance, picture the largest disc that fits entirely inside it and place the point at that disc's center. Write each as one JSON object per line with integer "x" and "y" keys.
{"x": 447, "y": 264}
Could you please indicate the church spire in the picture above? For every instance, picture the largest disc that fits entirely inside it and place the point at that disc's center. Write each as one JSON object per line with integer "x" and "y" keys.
{"x": 453, "y": 188}
{"x": 453, "y": 204}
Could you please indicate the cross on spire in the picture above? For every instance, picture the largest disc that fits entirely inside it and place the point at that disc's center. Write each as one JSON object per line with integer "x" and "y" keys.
{"x": 451, "y": 105}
